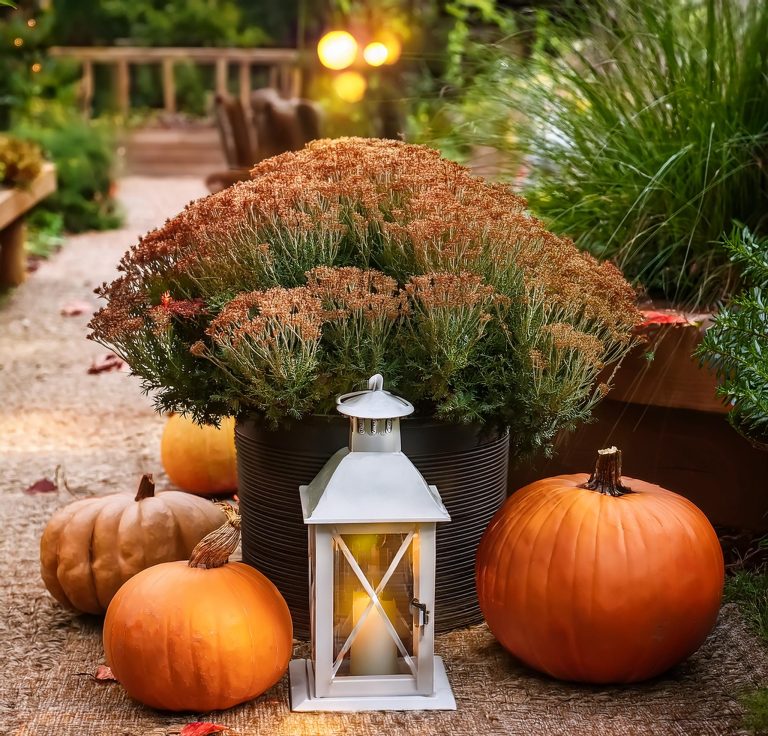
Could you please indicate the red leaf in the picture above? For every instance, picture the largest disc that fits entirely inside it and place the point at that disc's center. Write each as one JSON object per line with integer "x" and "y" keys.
{"x": 75, "y": 308}
{"x": 106, "y": 362}
{"x": 104, "y": 674}
{"x": 653, "y": 317}
{"x": 44, "y": 485}
{"x": 201, "y": 728}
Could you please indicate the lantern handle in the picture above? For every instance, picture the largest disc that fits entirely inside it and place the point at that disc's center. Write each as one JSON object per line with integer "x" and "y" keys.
{"x": 376, "y": 383}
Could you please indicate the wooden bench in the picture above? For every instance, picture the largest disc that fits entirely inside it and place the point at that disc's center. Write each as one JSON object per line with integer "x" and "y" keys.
{"x": 14, "y": 204}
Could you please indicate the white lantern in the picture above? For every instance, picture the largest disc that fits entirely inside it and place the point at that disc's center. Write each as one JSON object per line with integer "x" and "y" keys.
{"x": 371, "y": 518}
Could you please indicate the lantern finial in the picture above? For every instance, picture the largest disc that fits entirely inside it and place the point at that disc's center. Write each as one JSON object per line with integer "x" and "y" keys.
{"x": 374, "y": 402}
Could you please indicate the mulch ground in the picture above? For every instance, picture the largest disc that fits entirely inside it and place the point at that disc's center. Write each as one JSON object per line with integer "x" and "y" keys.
{"x": 101, "y": 431}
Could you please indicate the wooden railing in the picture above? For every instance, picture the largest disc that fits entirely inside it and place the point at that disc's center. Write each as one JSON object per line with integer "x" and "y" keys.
{"x": 281, "y": 65}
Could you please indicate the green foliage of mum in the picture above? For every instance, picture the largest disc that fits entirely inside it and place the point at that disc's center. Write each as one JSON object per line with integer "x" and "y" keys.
{"x": 358, "y": 256}
{"x": 645, "y": 130}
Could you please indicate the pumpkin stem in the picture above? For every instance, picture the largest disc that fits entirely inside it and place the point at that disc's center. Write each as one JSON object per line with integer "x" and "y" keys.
{"x": 214, "y": 549}
{"x": 607, "y": 475}
{"x": 146, "y": 487}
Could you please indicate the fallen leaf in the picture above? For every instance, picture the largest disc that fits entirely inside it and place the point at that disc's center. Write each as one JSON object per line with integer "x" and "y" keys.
{"x": 201, "y": 728}
{"x": 76, "y": 307}
{"x": 104, "y": 674}
{"x": 44, "y": 485}
{"x": 653, "y": 317}
{"x": 104, "y": 363}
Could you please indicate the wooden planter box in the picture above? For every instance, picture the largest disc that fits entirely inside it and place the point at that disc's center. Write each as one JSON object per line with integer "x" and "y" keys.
{"x": 673, "y": 430}
{"x": 14, "y": 205}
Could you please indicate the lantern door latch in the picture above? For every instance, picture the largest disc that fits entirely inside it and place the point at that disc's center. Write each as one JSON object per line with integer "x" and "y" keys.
{"x": 420, "y": 611}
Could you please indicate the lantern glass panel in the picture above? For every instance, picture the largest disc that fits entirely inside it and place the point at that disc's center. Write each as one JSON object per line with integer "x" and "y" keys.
{"x": 385, "y": 560}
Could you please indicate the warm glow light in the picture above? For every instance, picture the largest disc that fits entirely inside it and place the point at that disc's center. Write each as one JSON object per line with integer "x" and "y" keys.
{"x": 393, "y": 44}
{"x": 18, "y": 42}
{"x": 36, "y": 68}
{"x": 31, "y": 22}
{"x": 375, "y": 53}
{"x": 337, "y": 49}
{"x": 373, "y": 650}
{"x": 350, "y": 86}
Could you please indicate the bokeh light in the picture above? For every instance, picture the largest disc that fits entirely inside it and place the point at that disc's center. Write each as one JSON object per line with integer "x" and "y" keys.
{"x": 18, "y": 42}
{"x": 37, "y": 67}
{"x": 350, "y": 86}
{"x": 375, "y": 53}
{"x": 393, "y": 44}
{"x": 337, "y": 49}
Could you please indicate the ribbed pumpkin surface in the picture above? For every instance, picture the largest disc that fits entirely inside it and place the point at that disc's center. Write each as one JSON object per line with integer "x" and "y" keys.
{"x": 92, "y": 546}
{"x": 596, "y": 588}
{"x": 184, "y": 638}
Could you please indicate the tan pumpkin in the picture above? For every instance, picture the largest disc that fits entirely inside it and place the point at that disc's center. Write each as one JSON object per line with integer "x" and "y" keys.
{"x": 201, "y": 636}
{"x": 600, "y": 578}
{"x": 200, "y": 459}
{"x": 92, "y": 546}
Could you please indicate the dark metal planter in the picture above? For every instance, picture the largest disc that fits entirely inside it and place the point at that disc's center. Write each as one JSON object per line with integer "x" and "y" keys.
{"x": 468, "y": 464}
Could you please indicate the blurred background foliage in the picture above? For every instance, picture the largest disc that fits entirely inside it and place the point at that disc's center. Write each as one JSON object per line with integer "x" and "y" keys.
{"x": 638, "y": 128}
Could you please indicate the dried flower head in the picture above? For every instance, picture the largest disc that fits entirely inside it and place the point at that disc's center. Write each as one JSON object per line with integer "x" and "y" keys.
{"x": 354, "y": 256}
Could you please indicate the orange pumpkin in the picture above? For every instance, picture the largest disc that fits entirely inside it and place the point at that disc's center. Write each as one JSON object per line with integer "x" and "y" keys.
{"x": 203, "y": 635}
{"x": 200, "y": 459}
{"x": 598, "y": 578}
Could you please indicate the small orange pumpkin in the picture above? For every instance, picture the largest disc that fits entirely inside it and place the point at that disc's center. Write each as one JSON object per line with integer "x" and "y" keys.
{"x": 200, "y": 459}
{"x": 598, "y": 578}
{"x": 203, "y": 635}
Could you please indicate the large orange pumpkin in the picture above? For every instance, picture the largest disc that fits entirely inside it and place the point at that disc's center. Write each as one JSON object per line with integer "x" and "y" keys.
{"x": 203, "y": 635}
{"x": 200, "y": 459}
{"x": 598, "y": 578}
{"x": 92, "y": 546}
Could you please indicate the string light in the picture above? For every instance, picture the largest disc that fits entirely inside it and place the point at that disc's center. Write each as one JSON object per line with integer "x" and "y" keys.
{"x": 37, "y": 67}
{"x": 17, "y": 42}
{"x": 393, "y": 44}
{"x": 375, "y": 53}
{"x": 31, "y": 22}
{"x": 337, "y": 49}
{"x": 350, "y": 86}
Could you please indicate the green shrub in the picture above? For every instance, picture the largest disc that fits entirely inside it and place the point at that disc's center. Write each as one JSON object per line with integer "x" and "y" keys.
{"x": 20, "y": 161}
{"x": 84, "y": 154}
{"x": 750, "y": 591}
{"x": 737, "y": 343}
{"x": 45, "y": 232}
{"x": 646, "y": 131}
{"x": 154, "y": 23}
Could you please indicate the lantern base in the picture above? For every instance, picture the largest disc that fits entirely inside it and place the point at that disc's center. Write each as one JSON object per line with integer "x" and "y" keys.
{"x": 303, "y": 698}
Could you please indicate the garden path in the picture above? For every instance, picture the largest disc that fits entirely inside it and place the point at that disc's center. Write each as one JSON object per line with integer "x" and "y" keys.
{"x": 104, "y": 434}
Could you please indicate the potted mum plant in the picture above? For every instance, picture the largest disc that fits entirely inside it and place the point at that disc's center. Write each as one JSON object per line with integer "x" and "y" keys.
{"x": 360, "y": 256}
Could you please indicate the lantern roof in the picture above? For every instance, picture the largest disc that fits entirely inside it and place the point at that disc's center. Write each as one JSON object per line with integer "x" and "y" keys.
{"x": 374, "y": 403}
{"x": 370, "y": 487}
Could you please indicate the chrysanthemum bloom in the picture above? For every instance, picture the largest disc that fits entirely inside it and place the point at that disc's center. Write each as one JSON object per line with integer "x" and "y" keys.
{"x": 356, "y": 256}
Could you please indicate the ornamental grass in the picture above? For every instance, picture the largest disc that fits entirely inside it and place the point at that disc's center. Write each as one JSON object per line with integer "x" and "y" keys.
{"x": 358, "y": 256}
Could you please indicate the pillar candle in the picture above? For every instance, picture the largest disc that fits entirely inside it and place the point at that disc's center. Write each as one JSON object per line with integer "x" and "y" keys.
{"x": 373, "y": 651}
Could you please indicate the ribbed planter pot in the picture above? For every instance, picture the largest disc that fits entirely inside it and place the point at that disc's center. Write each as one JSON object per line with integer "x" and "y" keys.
{"x": 468, "y": 464}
